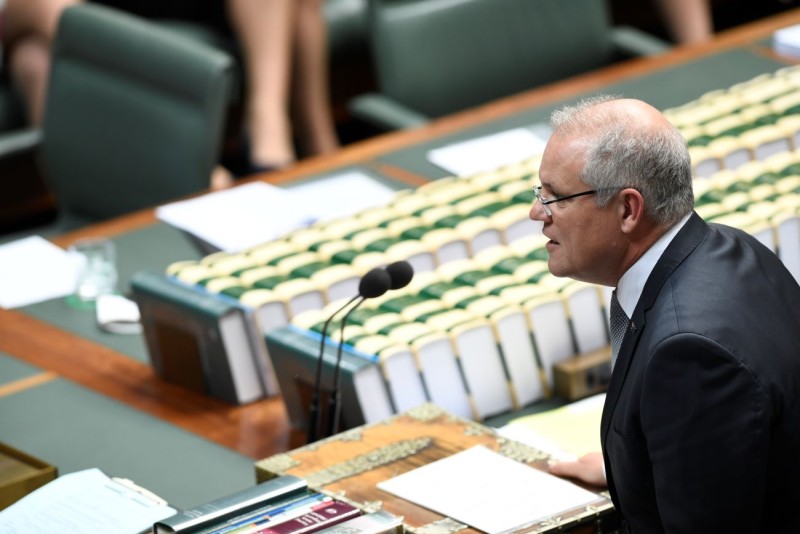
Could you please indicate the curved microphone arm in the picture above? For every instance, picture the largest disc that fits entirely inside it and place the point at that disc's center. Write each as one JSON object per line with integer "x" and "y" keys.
{"x": 313, "y": 411}
{"x": 334, "y": 401}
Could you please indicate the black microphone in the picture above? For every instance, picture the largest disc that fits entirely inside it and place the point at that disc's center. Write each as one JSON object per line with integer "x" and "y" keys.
{"x": 372, "y": 284}
{"x": 380, "y": 283}
{"x": 401, "y": 274}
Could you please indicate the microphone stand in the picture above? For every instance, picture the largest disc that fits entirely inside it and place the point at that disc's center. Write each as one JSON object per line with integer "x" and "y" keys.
{"x": 335, "y": 400}
{"x": 313, "y": 411}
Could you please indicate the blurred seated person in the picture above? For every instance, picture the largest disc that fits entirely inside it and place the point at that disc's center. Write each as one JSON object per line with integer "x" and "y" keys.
{"x": 283, "y": 44}
{"x": 688, "y": 21}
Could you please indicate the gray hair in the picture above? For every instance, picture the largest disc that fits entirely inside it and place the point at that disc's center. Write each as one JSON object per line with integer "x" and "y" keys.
{"x": 621, "y": 153}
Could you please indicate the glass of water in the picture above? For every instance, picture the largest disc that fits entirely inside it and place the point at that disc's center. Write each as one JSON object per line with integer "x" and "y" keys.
{"x": 97, "y": 273}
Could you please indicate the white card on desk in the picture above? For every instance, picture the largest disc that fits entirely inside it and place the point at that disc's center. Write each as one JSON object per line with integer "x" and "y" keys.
{"x": 251, "y": 214}
{"x": 236, "y": 218}
{"x": 340, "y": 195}
{"x": 33, "y": 270}
{"x": 484, "y": 489}
{"x": 787, "y": 40}
{"x": 488, "y": 152}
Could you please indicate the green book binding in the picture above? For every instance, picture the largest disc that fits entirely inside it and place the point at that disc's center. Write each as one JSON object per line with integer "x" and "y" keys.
{"x": 200, "y": 340}
{"x": 295, "y": 352}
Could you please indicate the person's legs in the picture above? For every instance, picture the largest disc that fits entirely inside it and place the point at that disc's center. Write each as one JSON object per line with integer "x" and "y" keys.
{"x": 29, "y": 66}
{"x": 28, "y": 30}
{"x": 688, "y": 21}
{"x": 316, "y": 127}
{"x": 263, "y": 28}
{"x": 37, "y": 17}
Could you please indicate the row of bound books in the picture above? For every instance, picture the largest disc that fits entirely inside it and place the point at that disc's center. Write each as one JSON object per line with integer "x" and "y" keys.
{"x": 204, "y": 322}
{"x": 282, "y": 505}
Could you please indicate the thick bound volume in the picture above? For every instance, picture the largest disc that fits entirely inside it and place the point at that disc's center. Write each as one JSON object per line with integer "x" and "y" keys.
{"x": 380, "y": 522}
{"x": 294, "y": 353}
{"x": 325, "y": 516}
{"x": 224, "y": 508}
{"x": 200, "y": 340}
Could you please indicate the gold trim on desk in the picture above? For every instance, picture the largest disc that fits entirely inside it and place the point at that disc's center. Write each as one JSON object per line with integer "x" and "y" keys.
{"x": 348, "y": 466}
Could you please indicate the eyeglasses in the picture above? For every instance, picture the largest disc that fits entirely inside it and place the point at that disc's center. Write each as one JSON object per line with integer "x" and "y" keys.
{"x": 537, "y": 191}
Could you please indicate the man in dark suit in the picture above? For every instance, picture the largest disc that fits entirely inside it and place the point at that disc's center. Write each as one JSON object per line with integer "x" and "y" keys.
{"x": 701, "y": 425}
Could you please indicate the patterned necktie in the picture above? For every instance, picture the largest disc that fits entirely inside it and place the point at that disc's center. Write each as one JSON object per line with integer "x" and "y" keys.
{"x": 619, "y": 323}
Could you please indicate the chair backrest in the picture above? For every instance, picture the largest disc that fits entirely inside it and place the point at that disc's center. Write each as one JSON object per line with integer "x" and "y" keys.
{"x": 441, "y": 56}
{"x": 134, "y": 114}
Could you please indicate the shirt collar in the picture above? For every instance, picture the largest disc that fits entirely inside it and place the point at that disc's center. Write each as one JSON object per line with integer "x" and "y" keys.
{"x": 631, "y": 285}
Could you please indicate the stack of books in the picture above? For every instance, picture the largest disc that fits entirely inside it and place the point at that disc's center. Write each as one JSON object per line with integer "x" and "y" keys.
{"x": 283, "y": 505}
{"x": 483, "y": 326}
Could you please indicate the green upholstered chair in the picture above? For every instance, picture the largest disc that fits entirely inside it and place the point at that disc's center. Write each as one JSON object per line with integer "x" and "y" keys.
{"x": 436, "y": 57}
{"x": 134, "y": 115}
{"x": 25, "y": 197}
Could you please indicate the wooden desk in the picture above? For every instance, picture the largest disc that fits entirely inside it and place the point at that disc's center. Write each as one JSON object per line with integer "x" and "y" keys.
{"x": 261, "y": 429}
{"x": 349, "y": 465}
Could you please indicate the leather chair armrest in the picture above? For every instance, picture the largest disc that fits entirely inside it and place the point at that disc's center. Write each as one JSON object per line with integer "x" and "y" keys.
{"x": 634, "y": 42}
{"x": 20, "y": 143}
{"x": 385, "y": 113}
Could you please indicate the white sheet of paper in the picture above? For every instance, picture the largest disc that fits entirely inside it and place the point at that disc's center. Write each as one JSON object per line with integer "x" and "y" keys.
{"x": 486, "y": 490}
{"x": 84, "y": 501}
{"x": 236, "y": 218}
{"x": 787, "y": 40}
{"x": 341, "y": 195}
{"x": 33, "y": 270}
{"x": 488, "y": 152}
{"x": 252, "y": 214}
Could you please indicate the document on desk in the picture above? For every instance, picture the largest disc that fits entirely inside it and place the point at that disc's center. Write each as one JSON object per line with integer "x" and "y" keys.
{"x": 786, "y": 41}
{"x": 340, "y": 195}
{"x": 237, "y": 218}
{"x": 33, "y": 270}
{"x": 565, "y": 433}
{"x": 84, "y": 501}
{"x": 491, "y": 151}
{"x": 251, "y": 214}
{"x": 487, "y": 491}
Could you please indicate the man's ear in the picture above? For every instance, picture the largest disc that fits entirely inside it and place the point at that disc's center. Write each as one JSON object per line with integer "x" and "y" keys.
{"x": 631, "y": 210}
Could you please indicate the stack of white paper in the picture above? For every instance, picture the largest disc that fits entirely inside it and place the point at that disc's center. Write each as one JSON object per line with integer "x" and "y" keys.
{"x": 488, "y": 491}
{"x": 488, "y": 152}
{"x": 786, "y": 41}
{"x": 33, "y": 270}
{"x": 85, "y": 501}
{"x": 252, "y": 214}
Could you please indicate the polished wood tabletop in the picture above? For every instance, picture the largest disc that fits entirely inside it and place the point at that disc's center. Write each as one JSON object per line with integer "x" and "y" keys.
{"x": 261, "y": 429}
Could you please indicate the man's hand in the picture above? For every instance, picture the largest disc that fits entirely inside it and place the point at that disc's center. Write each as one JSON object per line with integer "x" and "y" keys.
{"x": 589, "y": 468}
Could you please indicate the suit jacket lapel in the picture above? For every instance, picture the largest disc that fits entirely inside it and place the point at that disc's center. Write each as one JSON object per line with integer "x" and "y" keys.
{"x": 678, "y": 250}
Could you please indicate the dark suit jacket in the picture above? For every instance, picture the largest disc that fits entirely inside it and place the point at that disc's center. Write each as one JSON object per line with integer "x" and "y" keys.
{"x": 701, "y": 426}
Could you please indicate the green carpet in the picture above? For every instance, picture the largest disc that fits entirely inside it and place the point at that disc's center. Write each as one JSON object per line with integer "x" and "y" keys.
{"x": 73, "y": 428}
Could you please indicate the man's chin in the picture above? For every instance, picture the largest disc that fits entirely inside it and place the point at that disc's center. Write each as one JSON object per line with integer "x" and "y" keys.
{"x": 555, "y": 269}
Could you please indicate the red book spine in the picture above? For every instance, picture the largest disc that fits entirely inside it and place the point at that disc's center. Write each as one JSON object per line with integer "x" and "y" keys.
{"x": 323, "y": 517}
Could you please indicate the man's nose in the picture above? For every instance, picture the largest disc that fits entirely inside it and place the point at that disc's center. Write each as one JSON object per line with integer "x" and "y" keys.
{"x": 537, "y": 212}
